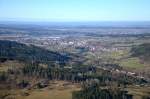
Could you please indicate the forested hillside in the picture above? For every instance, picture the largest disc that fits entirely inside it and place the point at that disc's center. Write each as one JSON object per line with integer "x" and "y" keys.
{"x": 28, "y": 53}
{"x": 142, "y": 51}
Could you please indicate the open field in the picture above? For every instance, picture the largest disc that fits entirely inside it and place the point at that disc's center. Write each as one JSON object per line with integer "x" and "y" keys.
{"x": 131, "y": 63}
{"x": 50, "y": 94}
{"x": 119, "y": 54}
{"x": 56, "y": 90}
{"x": 10, "y": 65}
{"x": 138, "y": 91}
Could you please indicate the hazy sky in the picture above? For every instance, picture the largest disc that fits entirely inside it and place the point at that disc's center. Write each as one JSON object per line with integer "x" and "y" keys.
{"x": 75, "y": 10}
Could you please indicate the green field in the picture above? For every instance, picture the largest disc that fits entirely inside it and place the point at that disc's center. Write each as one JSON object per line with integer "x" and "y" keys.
{"x": 119, "y": 54}
{"x": 131, "y": 63}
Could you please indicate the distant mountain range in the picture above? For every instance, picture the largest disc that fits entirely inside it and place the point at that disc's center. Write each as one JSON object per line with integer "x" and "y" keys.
{"x": 80, "y": 24}
{"x": 73, "y": 28}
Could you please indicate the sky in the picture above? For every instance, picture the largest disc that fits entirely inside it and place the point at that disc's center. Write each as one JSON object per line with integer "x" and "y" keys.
{"x": 74, "y": 10}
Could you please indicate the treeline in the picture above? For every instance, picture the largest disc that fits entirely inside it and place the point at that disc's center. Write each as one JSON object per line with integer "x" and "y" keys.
{"x": 75, "y": 75}
{"x": 92, "y": 90}
{"x": 79, "y": 74}
{"x": 54, "y": 73}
